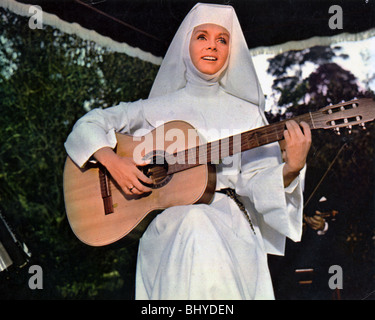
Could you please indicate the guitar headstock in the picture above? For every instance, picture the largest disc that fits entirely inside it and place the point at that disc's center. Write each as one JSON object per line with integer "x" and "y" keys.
{"x": 345, "y": 114}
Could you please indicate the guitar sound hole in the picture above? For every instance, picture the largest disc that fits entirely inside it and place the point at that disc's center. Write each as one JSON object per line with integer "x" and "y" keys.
{"x": 157, "y": 170}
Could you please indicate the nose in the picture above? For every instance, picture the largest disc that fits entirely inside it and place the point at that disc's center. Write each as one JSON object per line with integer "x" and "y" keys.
{"x": 212, "y": 48}
{"x": 211, "y": 45}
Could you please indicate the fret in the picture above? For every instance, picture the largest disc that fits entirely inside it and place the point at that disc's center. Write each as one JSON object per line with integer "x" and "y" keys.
{"x": 276, "y": 132}
{"x": 312, "y": 120}
{"x": 203, "y": 153}
{"x": 256, "y": 140}
{"x": 214, "y": 152}
{"x": 191, "y": 155}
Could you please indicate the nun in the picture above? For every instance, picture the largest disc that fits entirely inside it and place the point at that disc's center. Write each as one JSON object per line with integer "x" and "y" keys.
{"x": 216, "y": 250}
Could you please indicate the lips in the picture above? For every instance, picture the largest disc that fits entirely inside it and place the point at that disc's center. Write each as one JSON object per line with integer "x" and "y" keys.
{"x": 209, "y": 58}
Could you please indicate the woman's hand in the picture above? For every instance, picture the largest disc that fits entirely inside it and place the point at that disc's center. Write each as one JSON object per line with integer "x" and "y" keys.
{"x": 297, "y": 146}
{"x": 124, "y": 171}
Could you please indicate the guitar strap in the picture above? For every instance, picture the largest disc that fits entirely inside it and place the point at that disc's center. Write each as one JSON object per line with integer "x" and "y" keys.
{"x": 231, "y": 193}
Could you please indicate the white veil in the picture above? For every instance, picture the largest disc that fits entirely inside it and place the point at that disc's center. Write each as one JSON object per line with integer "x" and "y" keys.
{"x": 239, "y": 79}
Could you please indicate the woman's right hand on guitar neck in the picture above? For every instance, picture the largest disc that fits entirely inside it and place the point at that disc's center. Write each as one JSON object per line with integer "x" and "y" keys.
{"x": 124, "y": 171}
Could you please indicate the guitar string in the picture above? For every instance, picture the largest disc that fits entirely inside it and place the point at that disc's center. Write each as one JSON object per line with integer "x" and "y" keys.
{"x": 225, "y": 145}
{"x": 216, "y": 148}
{"x": 193, "y": 156}
{"x": 180, "y": 157}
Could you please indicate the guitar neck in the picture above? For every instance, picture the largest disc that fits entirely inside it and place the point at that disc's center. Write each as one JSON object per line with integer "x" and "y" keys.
{"x": 215, "y": 151}
{"x": 345, "y": 114}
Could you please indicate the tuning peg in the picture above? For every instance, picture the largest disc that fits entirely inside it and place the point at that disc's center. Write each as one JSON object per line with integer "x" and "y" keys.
{"x": 349, "y": 129}
{"x": 363, "y": 126}
{"x": 337, "y": 131}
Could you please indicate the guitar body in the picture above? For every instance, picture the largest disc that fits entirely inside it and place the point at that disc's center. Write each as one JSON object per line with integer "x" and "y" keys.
{"x": 130, "y": 215}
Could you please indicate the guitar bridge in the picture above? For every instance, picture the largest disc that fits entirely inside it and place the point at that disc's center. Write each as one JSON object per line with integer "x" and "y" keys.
{"x": 105, "y": 190}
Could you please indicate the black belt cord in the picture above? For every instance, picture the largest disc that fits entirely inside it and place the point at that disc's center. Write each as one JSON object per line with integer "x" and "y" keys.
{"x": 233, "y": 195}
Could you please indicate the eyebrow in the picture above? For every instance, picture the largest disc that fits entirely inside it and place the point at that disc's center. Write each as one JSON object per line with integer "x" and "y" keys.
{"x": 205, "y": 31}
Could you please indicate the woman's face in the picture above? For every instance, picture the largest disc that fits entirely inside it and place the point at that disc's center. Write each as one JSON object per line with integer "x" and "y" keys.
{"x": 209, "y": 47}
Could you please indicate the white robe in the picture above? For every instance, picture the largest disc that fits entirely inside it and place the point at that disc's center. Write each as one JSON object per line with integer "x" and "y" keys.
{"x": 205, "y": 251}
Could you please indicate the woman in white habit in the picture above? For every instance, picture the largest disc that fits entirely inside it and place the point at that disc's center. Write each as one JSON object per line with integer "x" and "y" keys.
{"x": 206, "y": 251}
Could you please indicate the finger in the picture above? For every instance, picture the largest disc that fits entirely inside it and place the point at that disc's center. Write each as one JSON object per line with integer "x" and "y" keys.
{"x": 129, "y": 190}
{"x": 138, "y": 174}
{"x": 295, "y": 129}
{"x": 286, "y": 137}
{"x": 141, "y": 176}
{"x": 143, "y": 163}
{"x": 134, "y": 184}
{"x": 307, "y": 219}
{"x": 317, "y": 219}
{"x": 306, "y": 130}
{"x": 292, "y": 125}
{"x": 289, "y": 132}
{"x": 134, "y": 191}
{"x": 282, "y": 144}
{"x": 131, "y": 186}
{"x": 139, "y": 187}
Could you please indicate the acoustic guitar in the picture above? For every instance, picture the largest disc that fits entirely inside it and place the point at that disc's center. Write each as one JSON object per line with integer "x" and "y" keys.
{"x": 181, "y": 167}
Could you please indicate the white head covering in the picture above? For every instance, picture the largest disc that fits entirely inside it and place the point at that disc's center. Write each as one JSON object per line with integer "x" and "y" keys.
{"x": 239, "y": 78}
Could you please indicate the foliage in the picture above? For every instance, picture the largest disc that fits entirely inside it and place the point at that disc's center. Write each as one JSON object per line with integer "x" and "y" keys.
{"x": 48, "y": 80}
{"x": 287, "y": 69}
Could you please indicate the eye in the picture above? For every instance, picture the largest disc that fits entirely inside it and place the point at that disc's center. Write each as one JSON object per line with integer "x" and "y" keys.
{"x": 222, "y": 40}
{"x": 201, "y": 37}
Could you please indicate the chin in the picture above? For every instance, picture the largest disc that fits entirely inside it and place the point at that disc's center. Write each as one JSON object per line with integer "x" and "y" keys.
{"x": 208, "y": 71}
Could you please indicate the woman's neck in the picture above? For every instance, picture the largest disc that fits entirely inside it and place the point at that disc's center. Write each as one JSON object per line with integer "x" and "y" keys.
{"x": 202, "y": 89}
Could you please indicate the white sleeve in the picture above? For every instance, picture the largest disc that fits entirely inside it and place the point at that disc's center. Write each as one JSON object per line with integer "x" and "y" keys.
{"x": 97, "y": 129}
{"x": 261, "y": 180}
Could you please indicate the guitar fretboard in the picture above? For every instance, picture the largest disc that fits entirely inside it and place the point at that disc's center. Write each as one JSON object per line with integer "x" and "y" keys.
{"x": 345, "y": 114}
{"x": 215, "y": 151}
